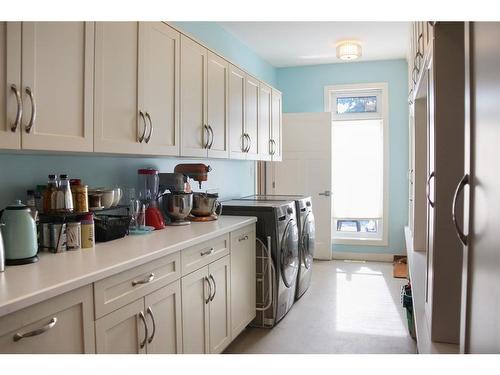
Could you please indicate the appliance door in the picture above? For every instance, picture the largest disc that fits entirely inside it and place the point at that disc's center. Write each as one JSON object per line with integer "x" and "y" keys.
{"x": 308, "y": 240}
{"x": 290, "y": 253}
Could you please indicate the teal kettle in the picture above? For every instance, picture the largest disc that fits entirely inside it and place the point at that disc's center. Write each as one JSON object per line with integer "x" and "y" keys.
{"x": 19, "y": 234}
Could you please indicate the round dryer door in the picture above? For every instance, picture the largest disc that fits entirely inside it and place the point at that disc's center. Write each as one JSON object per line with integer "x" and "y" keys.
{"x": 290, "y": 253}
{"x": 308, "y": 240}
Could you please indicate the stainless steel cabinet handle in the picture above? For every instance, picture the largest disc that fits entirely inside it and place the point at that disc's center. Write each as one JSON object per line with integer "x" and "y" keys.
{"x": 243, "y": 238}
{"x": 215, "y": 287}
{"x": 243, "y": 142}
{"x": 326, "y": 193}
{"x": 429, "y": 188}
{"x": 206, "y": 136}
{"x": 150, "y": 128}
{"x": 144, "y": 281}
{"x": 19, "y": 112}
{"x": 141, "y": 138}
{"x": 461, "y": 184}
{"x": 150, "y": 312}
{"x": 210, "y": 290}
{"x": 211, "y": 136}
{"x": 249, "y": 142}
{"x": 18, "y": 336}
{"x": 143, "y": 318}
{"x": 207, "y": 252}
{"x": 29, "y": 91}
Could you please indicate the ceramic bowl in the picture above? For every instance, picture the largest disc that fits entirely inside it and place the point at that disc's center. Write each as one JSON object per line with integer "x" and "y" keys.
{"x": 117, "y": 196}
{"x": 107, "y": 198}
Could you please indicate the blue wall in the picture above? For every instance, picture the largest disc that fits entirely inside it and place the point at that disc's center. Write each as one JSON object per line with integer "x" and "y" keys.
{"x": 303, "y": 91}
{"x": 218, "y": 39}
{"x": 233, "y": 178}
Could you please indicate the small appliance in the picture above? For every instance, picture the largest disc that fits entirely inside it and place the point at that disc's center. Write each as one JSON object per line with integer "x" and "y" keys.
{"x": 148, "y": 188}
{"x": 206, "y": 207}
{"x": 19, "y": 234}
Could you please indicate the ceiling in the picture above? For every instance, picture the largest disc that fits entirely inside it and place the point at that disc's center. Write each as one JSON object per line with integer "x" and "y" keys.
{"x": 307, "y": 43}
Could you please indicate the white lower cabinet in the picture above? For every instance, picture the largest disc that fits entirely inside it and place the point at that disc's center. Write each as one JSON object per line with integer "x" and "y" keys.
{"x": 63, "y": 324}
{"x": 148, "y": 325}
{"x": 206, "y": 308}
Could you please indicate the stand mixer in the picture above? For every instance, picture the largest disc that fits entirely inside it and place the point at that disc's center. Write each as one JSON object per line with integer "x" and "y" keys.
{"x": 176, "y": 204}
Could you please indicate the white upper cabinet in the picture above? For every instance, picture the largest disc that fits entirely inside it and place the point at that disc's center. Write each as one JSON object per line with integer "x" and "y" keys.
{"x": 276, "y": 126}
{"x": 237, "y": 144}
{"x": 10, "y": 85}
{"x": 57, "y": 81}
{"x": 118, "y": 124}
{"x": 159, "y": 63}
{"x": 217, "y": 106}
{"x": 252, "y": 117}
{"x": 265, "y": 129}
{"x": 194, "y": 131}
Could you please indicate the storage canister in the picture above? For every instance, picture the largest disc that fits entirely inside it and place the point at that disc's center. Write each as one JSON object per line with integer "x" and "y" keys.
{"x": 80, "y": 198}
{"x": 87, "y": 229}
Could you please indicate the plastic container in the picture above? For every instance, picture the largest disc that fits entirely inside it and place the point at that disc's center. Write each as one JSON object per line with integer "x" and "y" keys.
{"x": 407, "y": 302}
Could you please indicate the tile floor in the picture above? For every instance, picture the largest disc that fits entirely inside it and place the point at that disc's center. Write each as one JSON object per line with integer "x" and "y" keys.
{"x": 350, "y": 307}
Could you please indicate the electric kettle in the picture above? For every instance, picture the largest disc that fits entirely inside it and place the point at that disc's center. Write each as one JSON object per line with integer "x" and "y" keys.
{"x": 19, "y": 234}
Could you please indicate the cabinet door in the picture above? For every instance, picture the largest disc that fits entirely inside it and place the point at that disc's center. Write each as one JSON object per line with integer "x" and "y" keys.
{"x": 220, "y": 305}
{"x": 243, "y": 279}
{"x": 265, "y": 115}
{"x": 159, "y": 60}
{"x": 163, "y": 314}
{"x": 63, "y": 324}
{"x": 217, "y": 106}
{"x": 58, "y": 71}
{"x": 118, "y": 124}
{"x": 195, "y": 312}
{"x": 10, "y": 85}
{"x": 252, "y": 116}
{"x": 193, "y": 93}
{"x": 277, "y": 125}
{"x": 123, "y": 331}
{"x": 236, "y": 112}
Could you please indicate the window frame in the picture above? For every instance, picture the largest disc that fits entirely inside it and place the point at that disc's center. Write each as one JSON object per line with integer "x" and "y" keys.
{"x": 331, "y": 93}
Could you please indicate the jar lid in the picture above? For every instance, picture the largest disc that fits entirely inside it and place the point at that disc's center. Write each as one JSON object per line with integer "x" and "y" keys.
{"x": 150, "y": 171}
{"x": 75, "y": 181}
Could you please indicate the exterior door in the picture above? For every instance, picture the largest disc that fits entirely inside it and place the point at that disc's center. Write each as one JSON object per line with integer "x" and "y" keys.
{"x": 277, "y": 117}
{"x": 58, "y": 78}
{"x": 195, "y": 312}
{"x": 290, "y": 254}
{"x": 481, "y": 298}
{"x": 10, "y": 85}
{"x": 265, "y": 116}
{"x": 237, "y": 142}
{"x": 252, "y": 117}
{"x": 220, "y": 305}
{"x": 123, "y": 331}
{"x": 306, "y": 170}
{"x": 194, "y": 136}
{"x": 118, "y": 125}
{"x": 217, "y": 106}
{"x": 159, "y": 63}
{"x": 163, "y": 314}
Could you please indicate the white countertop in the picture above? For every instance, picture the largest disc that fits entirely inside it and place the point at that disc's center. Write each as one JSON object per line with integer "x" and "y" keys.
{"x": 417, "y": 267}
{"x": 54, "y": 274}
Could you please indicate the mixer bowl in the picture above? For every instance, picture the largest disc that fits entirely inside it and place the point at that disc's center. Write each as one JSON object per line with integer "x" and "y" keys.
{"x": 205, "y": 204}
{"x": 176, "y": 206}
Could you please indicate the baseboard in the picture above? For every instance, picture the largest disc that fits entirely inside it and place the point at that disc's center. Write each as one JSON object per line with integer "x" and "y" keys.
{"x": 363, "y": 256}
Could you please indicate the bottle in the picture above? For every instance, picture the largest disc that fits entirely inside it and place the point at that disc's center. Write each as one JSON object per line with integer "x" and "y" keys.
{"x": 49, "y": 194}
{"x": 87, "y": 231}
{"x": 64, "y": 198}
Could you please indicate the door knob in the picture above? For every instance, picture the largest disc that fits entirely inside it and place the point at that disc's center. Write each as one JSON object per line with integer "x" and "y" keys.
{"x": 326, "y": 193}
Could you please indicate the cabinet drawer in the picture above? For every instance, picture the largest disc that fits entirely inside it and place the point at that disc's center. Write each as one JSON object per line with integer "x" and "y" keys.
{"x": 202, "y": 254}
{"x": 63, "y": 324}
{"x": 125, "y": 287}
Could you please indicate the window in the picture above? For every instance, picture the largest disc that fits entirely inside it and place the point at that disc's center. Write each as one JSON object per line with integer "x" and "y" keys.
{"x": 359, "y": 162}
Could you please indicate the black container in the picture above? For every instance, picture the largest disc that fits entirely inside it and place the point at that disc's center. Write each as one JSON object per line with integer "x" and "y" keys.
{"x": 111, "y": 227}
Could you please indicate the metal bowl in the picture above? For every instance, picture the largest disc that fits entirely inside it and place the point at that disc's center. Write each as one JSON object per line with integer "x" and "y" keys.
{"x": 205, "y": 204}
{"x": 176, "y": 206}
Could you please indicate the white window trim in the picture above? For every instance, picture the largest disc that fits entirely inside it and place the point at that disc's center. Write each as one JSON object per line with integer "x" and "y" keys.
{"x": 364, "y": 88}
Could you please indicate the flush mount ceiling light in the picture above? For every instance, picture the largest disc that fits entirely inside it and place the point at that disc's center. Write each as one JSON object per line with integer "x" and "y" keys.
{"x": 348, "y": 50}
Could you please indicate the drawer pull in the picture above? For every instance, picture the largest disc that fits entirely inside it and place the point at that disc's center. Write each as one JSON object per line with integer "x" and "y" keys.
{"x": 36, "y": 332}
{"x": 243, "y": 238}
{"x": 144, "y": 281}
{"x": 207, "y": 252}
